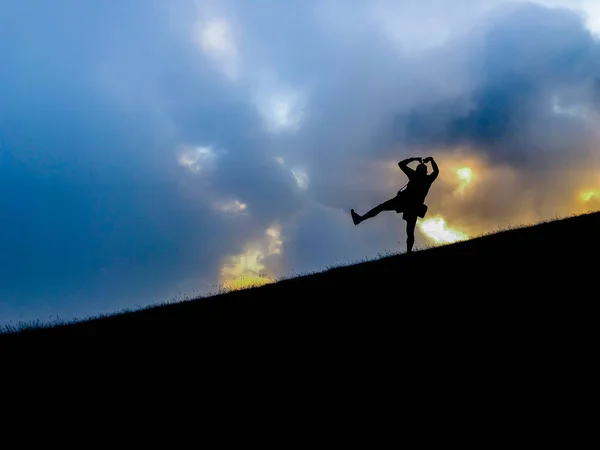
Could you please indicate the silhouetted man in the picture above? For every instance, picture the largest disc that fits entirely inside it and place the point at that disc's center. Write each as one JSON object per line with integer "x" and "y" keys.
{"x": 410, "y": 200}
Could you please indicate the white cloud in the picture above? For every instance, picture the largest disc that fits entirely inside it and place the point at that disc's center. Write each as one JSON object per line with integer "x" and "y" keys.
{"x": 417, "y": 25}
{"x": 282, "y": 109}
{"x": 299, "y": 173}
{"x": 274, "y": 242}
{"x": 215, "y": 38}
{"x": 579, "y": 111}
{"x": 281, "y": 106}
{"x": 231, "y": 206}
{"x": 197, "y": 159}
{"x": 589, "y": 8}
{"x": 592, "y": 10}
{"x": 301, "y": 177}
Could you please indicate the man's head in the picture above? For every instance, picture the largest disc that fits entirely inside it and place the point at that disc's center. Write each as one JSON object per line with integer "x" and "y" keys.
{"x": 422, "y": 169}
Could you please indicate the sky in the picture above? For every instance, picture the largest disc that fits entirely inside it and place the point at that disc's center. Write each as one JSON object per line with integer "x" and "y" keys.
{"x": 152, "y": 149}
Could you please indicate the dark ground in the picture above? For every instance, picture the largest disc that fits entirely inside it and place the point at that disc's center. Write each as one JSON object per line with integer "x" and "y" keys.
{"x": 479, "y": 341}
{"x": 535, "y": 283}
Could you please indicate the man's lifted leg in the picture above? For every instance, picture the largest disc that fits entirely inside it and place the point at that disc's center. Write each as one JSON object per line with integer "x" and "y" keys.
{"x": 390, "y": 205}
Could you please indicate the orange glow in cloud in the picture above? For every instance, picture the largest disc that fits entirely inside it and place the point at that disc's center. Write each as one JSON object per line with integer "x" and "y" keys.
{"x": 474, "y": 196}
{"x": 463, "y": 168}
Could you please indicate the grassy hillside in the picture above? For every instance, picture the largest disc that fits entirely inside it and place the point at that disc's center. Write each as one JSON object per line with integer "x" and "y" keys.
{"x": 524, "y": 283}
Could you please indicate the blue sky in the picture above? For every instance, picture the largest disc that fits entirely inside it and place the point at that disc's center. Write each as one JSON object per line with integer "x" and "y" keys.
{"x": 151, "y": 149}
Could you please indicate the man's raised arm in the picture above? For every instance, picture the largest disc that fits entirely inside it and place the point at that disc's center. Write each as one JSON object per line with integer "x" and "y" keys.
{"x": 404, "y": 165}
{"x": 436, "y": 169}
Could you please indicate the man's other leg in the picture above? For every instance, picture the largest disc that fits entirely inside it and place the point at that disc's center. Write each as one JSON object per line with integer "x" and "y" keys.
{"x": 390, "y": 205}
{"x": 411, "y": 223}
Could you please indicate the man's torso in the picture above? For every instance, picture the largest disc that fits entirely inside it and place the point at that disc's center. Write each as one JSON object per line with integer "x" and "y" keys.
{"x": 417, "y": 188}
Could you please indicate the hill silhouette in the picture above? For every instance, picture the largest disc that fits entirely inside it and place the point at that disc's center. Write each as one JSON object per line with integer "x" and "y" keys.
{"x": 528, "y": 285}
{"x": 491, "y": 338}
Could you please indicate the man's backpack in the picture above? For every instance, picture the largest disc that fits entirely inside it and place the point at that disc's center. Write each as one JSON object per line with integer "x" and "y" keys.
{"x": 419, "y": 211}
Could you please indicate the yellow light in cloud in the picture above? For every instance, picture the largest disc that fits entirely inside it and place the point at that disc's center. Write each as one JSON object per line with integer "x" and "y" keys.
{"x": 586, "y": 196}
{"x": 247, "y": 269}
{"x": 244, "y": 270}
{"x": 465, "y": 174}
{"x": 437, "y": 230}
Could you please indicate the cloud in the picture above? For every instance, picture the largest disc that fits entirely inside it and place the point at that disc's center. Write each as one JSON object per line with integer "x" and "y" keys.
{"x": 301, "y": 177}
{"x": 282, "y": 109}
{"x": 437, "y": 230}
{"x": 257, "y": 264}
{"x": 231, "y": 206}
{"x": 197, "y": 159}
{"x": 202, "y": 142}
{"x": 215, "y": 39}
{"x": 534, "y": 82}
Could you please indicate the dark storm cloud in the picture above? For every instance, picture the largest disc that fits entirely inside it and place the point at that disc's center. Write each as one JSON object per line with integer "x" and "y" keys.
{"x": 532, "y": 61}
